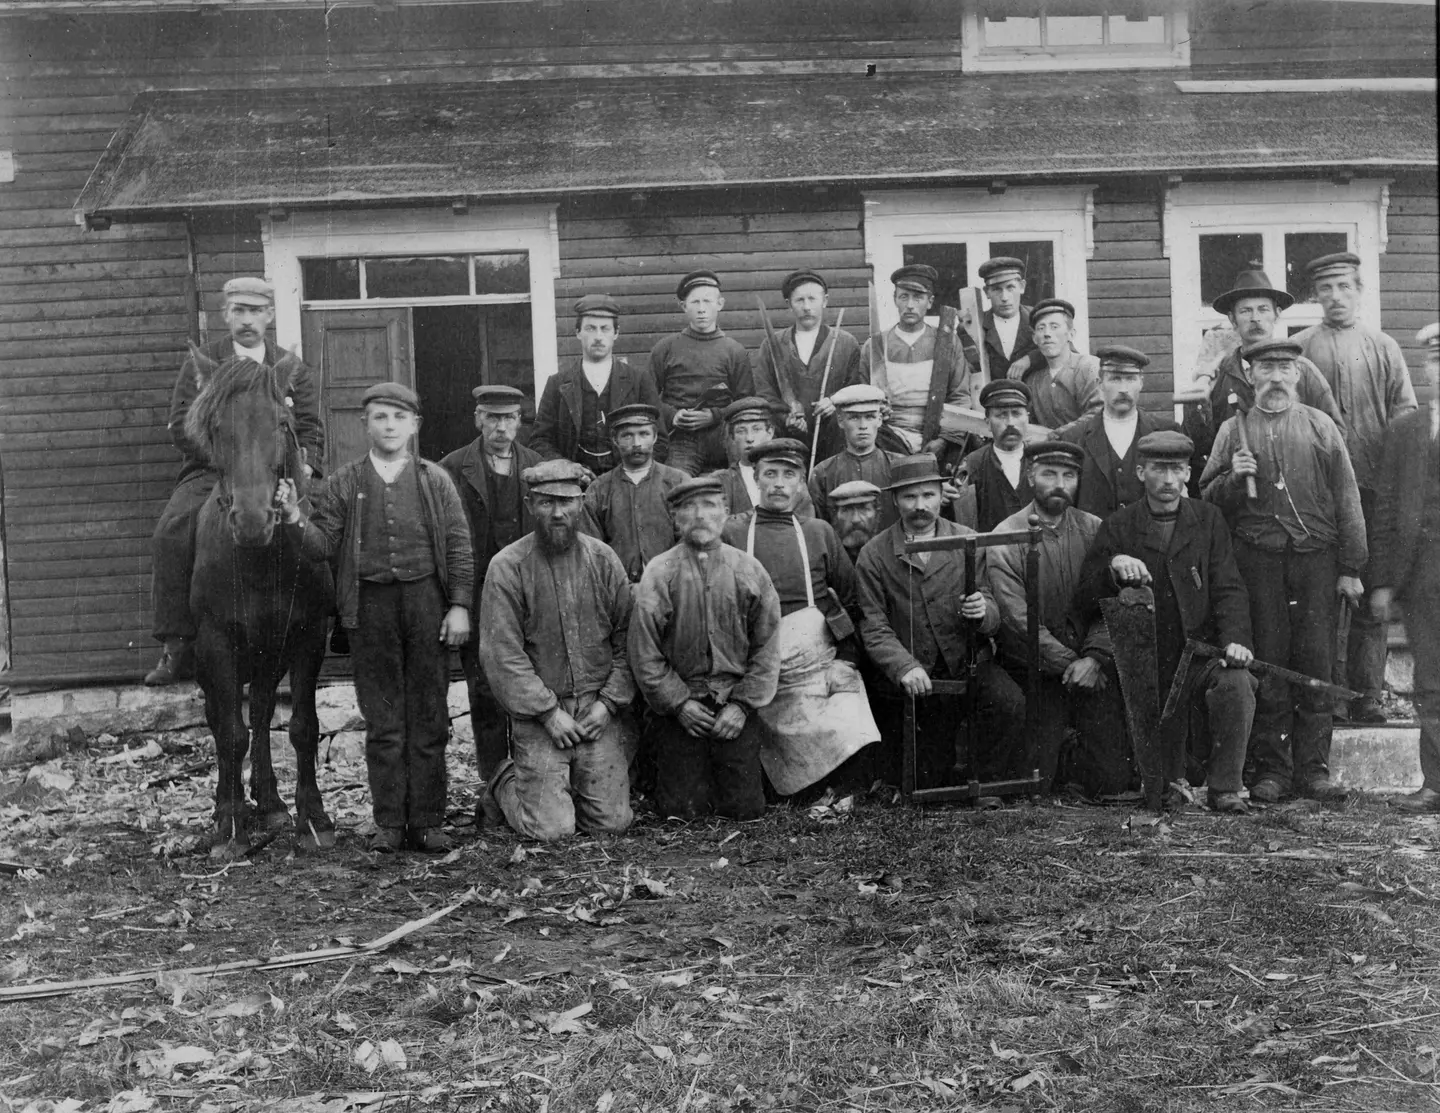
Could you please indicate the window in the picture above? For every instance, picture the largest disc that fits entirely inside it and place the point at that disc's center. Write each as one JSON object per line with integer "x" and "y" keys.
{"x": 1074, "y": 34}
{"x": 1213, "y": 232}
{"x": 503, "y": 276}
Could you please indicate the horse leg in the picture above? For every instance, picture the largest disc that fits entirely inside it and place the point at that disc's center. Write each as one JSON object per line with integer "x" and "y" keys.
{"x": 315, "y": 829}
{"x": 218, "y": 673}
{"x": 263, "y": 786}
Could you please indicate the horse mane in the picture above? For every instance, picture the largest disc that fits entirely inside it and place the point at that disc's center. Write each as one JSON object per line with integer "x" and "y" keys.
{"x": 220, "y": 382}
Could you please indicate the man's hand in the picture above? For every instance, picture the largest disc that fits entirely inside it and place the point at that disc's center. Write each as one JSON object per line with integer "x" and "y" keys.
{"x": 797, "y": 422}
{"x": 1129, "y": 571}
{"x": 308, "y": 470}
{"x": 1380, "y": 600}
{"x": 1237, "y": 656}
{"x": 1084, "y": 674}
{"x": 693, "y": 420}
{"x": 287, "y": 498}
{"x": 595, "y": 720}
{"x": 455, "y": 627}
{"x": 950, "y": 490}
{"x": 1243, "y": 464}
{"x": 824, "y": 408}
{"x": 695, "y": 718}
{"x": 916, "y": 682}
{"x": 562, "y": 728}
{"x": 933, "y": 447}
{"x": 729, "y": 723}
{"x": 973, "y": 607}
{"x": 1351, "y": 588}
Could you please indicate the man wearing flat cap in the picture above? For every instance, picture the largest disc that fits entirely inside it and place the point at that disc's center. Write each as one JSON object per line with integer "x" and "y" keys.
{"x": 698, "y": 372}
{"x": 920, "y": 622}
{"x": 1301, "y": 546}
{"x": 855, "y": 514}
{"x": 404, "y": 587}
{"x": 901, "y": 362}
{"x": 1366, "y": 372}
{"x": 1110, "y": 478}
{"x": 1064, "y": 385}
{"x": 705, "y": 652}
{"x": 1180, "y": 548}
{"x": 626, "y": 508}
{"x": 819, "y": 717}
{"x": 249, "y": 311}
{"x": 860, "y": 410}
{"x": 556, "y": 619}
{"x": 488, "y": 474}
{"x": 749, "y": 423}
{"x": 994, "y": 480}
{"x": 1009, "y": 342}
{"x": 791, "y": 370}
{"x": 570, "y": 420}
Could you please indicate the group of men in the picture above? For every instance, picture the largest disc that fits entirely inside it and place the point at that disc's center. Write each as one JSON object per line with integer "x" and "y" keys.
{"x": 712, "y": 564}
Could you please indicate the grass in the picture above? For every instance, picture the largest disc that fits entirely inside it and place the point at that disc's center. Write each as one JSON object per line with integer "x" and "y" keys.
{"x": 1036, "y": 958}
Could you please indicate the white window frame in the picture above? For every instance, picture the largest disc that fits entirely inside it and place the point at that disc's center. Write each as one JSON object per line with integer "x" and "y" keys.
{"x": 1269, "y": 209}
{"x": 976, "y": 57}
{"x": 1065, "y": 215}
{"x": 508, "y": 228}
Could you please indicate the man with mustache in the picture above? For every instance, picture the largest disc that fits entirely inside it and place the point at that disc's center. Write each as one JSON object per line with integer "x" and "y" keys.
{"x": 1078, "y": 687}
{"x": 1064, "y": 385}
{"x": 994, "y": 478}
{"x": 1301, "y": 545}
{"x": 855, "y": 514}
{"x": 921, "y": 621}
{"x": 795, "y": 364}
{"x": 705, "y": 652}
{"x": 1110, "y": 477}
{"x": 1181, "y": 549}
{"x": 1366, "y": 372}
{"x": 749, "y": 423}
{"x": 555, "y": 616}
{"x": 860, "y": 410}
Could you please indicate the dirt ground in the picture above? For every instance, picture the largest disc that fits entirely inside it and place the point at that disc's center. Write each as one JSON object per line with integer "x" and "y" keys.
{"x": 883, "y": 958}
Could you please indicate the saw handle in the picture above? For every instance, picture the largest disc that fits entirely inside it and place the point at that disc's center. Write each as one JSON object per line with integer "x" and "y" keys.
{"x": 1251, "y": 491}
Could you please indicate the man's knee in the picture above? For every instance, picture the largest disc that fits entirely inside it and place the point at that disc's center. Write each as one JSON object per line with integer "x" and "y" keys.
{"x": 1232, "y": 688}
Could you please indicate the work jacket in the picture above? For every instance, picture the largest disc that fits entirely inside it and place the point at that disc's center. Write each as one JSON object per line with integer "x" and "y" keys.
{"x": 468, "y": 468}
{"x": 557, "y": 419}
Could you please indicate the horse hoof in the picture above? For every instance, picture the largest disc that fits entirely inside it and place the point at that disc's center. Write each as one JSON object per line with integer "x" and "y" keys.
{"x": 317, "y": 840}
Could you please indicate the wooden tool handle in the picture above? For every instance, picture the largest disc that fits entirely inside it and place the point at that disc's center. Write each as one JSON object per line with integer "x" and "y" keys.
{"x": 1251, "y": 492}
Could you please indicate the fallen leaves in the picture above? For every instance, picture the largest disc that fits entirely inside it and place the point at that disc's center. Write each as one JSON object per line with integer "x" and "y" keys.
{"x": 388, "y": 1054}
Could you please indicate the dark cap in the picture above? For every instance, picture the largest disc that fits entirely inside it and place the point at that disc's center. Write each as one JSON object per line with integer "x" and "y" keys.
{"x": 1000, "y": 265}
{"x": 1276, "y": 348}
{"x": 1049, "y": 306}
{"x": 857, "y": 490}
{"x": 557, "y": 477}
{"x": 1055, "y": 452}
{"x": 392, "y": 394}
{"x": 916, "y": 276}
{"x": 1165, "y": 444}
{"x": 910, "y": 470}
{"x": 636, "y": 413}
{"x": 1004, "y": 392}
{"x": 1252, "y": 284}
{"x": 1122, "y": 358}
{"x": 498, "y": 399}
{"x": 694, "y": 279}
{"x": 781, "y": 448}
{"x": 700, "y": 485}
{"x": 795, "y": 279}
{"x": 1342, "y": 262}
{"x": 751, "y": 408}
{"x": 597, "y": 305}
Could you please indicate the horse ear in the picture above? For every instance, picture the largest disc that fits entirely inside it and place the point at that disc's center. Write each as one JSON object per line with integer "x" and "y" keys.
{"x": 286, "y": 367}
{"x": 203, "y": 364}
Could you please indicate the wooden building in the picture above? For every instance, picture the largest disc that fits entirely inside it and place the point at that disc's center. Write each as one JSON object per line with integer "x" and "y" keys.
{"x": 431, "y": 185}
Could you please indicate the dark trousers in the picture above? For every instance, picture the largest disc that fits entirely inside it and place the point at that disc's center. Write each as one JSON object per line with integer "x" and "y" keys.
{"x": 1099, "y": 758}
{"x": 488, "y": 720}
{"x": 402, "y": 675}
{"x": 1365, "y": 648}
{"x": 697, "y": 452}
{"x": 172, "y": 548}
{"x": 1292, "y": 613}
{"x": 698, "y": 776}
{"x": 1421, "y": 603}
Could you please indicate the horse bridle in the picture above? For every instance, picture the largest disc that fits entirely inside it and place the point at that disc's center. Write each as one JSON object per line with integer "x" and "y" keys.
{"x": 291, "y": 440}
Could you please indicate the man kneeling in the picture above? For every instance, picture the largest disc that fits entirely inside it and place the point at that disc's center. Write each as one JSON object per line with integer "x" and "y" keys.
{"x": 554, "y": 621}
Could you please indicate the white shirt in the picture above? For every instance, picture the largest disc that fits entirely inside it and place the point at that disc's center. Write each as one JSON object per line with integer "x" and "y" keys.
{"x": 597, "y": 374}
{"x": 751, "y": 486}
{"x": 909, "y": 338}
{"x": 1007, "y": 329}
{"x": 1010, "y": 463}
{"x": 638, "y": 477}
{"x": 257, "y": 354}
{"x": 805, "y": 343}
{"x": 389, "y": 470}
{"x": 1120, "y": 431}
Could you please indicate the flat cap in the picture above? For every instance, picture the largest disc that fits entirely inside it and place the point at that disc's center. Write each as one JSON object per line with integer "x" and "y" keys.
{"x": 1278, "y": 347}
{"x": 1252, "y": 284}
{"x": 749, "y": 408}
{"x": 781, "y": 448}
{"x": 636, "y": 413}
{"x": 916, "y": 276}
{"x": 392, "y": 394}
{"x": 860, "y": 396}
{"x": 1429, "y": 335}
{"x": 1004, "y": 392}
{"x": 910, "y": 470}
{"x": 1341, "y": 262}
{"x": 1055, "y": 452}
{"x": 1165, "y": 444}
{"x": 694, "y": 279}
{"x": 597, "y": 305}
{"x": 701, "y": 485}
{"x": 558, "y": 477}
{"x": 1122, "y": 358}
{"x": 795, "y": 279}
{"x": 1000, "y": 265}
{"x": 1049, "y": 306}
{"x": 498, "y": 399}
{"x": 857, "y": 490}
{"x": 249, "y": 291}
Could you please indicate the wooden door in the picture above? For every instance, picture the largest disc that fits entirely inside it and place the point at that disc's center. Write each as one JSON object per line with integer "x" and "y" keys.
{"x": 352, "y": 349}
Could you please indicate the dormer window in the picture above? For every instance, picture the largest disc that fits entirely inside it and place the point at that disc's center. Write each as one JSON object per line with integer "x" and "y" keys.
{"x": 1002, "y": 35}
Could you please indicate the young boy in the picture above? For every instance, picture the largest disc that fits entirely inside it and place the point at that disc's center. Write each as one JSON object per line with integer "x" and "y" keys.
{"x": 403, "y": 586}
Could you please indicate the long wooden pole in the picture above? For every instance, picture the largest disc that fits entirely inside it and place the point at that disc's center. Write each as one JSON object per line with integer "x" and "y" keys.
{"x": 825, "y": 383}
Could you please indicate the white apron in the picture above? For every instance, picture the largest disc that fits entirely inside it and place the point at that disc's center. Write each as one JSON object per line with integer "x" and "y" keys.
{"x": 908, "y": 385}
{"x": 820, "y": 714}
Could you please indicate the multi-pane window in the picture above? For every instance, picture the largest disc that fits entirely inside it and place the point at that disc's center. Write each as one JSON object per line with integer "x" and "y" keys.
{"x": 499, "y": 276}
{"x": 1074, "y": 34}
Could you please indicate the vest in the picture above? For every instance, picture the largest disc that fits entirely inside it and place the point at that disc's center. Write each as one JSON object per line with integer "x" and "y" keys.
{"x": 394, "y": 541}
{"x": 594, "y": 443}
{"x": 504, "y": 500}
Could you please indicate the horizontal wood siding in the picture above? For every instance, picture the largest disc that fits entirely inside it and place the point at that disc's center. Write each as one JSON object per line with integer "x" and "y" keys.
{"x": 1287, "y": 35}
{"x": 1410, "y": 268}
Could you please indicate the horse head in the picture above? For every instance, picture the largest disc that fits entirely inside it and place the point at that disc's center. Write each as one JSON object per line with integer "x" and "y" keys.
{"x": 241, "y": 421}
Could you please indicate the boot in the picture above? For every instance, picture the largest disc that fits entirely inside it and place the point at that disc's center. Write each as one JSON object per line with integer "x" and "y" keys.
{"x": 176, "y": 663}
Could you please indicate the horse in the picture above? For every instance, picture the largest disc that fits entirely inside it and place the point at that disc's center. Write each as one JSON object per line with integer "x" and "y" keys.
{"x": 261, "y": 607}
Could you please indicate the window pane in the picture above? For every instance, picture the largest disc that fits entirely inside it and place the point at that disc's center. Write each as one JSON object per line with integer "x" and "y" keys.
{"x": 1149, "y": 29}
{"x": 430, "y": 276}
{"x": 949, "y": 260}
{"x": 503, "y": 273}
{"x": 1223, "y": 256}
{"x": 1014, "y": 31}
{"x": 330, "y": 279}
{"x": 1074, "y": 30}
{"x": 1039, "y": 258}
{"x": 1300, "y": 248}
